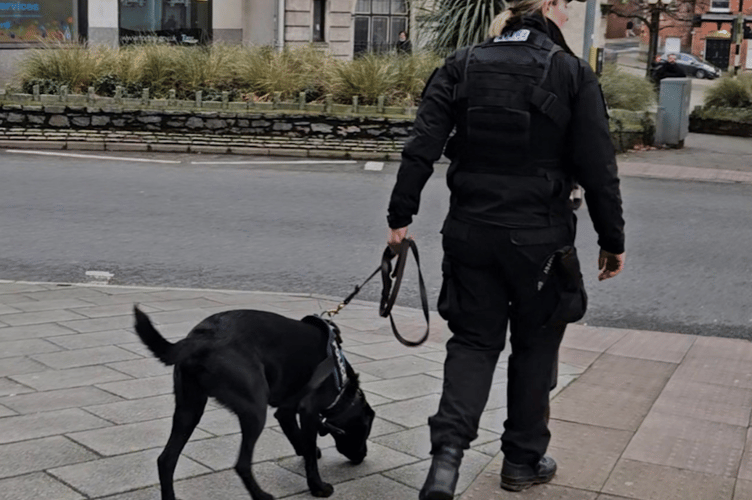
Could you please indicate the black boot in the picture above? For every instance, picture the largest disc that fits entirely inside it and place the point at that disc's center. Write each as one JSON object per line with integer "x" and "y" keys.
{"x": 443, "y": 474}
{"x": 516, "y": 477}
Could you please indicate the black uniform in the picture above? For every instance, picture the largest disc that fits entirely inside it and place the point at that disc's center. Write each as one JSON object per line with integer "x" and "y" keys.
{"x": 529, "y": 120}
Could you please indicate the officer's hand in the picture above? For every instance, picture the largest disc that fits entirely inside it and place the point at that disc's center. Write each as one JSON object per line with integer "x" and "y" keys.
{"x": 610, "y": 264}
{"x": 395, "y": 238}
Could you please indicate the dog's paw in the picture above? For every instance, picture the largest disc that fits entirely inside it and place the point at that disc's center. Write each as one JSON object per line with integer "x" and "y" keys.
{"x": 323, "y": 490}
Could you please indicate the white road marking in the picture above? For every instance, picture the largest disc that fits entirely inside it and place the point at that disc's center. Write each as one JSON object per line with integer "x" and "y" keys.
{"x": 90, "y": 157}
{"x": 375, "y": 166}
{"x": 275, "y": 162}
{"x": 99, "y": 276}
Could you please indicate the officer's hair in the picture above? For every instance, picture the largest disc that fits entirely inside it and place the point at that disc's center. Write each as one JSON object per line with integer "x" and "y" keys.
{"x": 515, "y": 11}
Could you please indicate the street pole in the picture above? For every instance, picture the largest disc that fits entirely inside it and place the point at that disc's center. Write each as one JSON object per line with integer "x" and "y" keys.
{"x": 589, "y": 35}
{"x": 738, "y": 37}
{"x": 655, "y": 20}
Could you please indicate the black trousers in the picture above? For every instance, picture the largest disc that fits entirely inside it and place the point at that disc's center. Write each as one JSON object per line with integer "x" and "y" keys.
{"x": 490, "y": 279}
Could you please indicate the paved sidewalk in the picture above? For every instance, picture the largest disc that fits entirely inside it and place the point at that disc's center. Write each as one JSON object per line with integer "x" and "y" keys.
{"x": 85, "y": 410}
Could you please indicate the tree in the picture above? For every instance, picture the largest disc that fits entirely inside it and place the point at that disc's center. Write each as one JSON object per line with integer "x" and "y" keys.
{"x": 451, "y": 24}
{"x": 651, "y": 13}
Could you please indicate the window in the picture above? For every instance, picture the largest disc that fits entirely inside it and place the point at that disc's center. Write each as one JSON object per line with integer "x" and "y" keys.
{"x": 719, "y": 6}
{"x": 378, "y": 23}
{"x": 319, "y": 13}
{"x": 38, "y": 21}
{"x": 185, "y": 22}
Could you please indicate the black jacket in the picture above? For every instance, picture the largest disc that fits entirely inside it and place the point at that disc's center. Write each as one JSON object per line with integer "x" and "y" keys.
{"x": 584, "y": 149}
{"x": 668, "y": 70}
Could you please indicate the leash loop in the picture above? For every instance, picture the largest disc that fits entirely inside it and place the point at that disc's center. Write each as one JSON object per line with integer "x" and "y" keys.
{"x": 391, "y": 279}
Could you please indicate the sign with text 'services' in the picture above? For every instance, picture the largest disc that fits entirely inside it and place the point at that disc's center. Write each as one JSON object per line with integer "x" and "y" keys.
{"x": 37, "y": 21}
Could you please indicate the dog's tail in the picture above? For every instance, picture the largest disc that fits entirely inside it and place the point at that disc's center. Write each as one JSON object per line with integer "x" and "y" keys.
{"x": 157, "y": 344}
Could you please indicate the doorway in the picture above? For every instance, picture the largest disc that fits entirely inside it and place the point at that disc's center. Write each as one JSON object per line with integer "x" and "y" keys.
{"x": 717, "y": 52}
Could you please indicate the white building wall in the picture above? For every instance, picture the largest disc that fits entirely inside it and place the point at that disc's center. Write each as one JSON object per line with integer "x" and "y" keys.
{"x": 259, "y": 22}
{"x": 227, "y": 20}
{"x": 103, "y": 22}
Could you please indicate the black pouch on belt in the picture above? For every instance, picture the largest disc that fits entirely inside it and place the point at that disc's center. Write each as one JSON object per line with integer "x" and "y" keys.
{"x": 561, "y": 289}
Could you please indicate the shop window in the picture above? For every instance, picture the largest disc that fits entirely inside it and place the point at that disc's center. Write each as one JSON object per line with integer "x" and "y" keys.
{"x": 319, "y": 17}
{"x": 38, "y": 21}
{"x": 186, "y": 22}
{"x": 377, "y": 24}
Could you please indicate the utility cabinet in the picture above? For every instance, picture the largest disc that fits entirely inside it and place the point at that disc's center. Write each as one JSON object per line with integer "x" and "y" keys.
{"x": 672, "y": 118}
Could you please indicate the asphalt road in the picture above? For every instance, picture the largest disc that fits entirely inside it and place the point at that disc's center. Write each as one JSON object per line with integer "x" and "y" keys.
{"x": 320, "y": 228}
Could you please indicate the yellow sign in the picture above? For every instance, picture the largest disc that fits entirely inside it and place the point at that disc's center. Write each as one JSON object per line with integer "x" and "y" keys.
{"x": 719, "y": 34}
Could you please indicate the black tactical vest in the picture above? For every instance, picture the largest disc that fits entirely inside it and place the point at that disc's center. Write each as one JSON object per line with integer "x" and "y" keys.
{"x": 500, "y": 88}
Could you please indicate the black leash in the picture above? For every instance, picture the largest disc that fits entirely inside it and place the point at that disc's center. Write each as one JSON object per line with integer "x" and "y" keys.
{"x": 391, "y": 280}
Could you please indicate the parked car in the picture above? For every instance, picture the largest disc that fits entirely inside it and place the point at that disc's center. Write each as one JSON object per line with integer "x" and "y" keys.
{"x": 694, "y": 66}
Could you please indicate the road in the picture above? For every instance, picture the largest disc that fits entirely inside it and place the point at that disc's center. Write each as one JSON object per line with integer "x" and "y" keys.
{"x": 320, "y": 228}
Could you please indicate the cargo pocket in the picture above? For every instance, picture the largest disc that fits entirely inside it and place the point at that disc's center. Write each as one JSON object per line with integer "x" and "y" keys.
{"x": 565, "y": 288}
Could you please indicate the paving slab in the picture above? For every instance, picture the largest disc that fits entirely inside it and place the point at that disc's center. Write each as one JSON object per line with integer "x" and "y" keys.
{"x": 140, "y": 388}
{"x": 745, "y": 469}
{"x": 49, "y": 380}
{"x": 335, "y": 468}
{"x": 402, "y": 366}
{"x": 127, "y": 412}
{"x": 592, "y": 339}
{"x": 97, "y": 339}
{"x": 128, "y": 438}
{"x": 15, "y": 348}
{"x": 405, "y": 388}
{"x": 37, "y": 425}
{"x": 222, "y": 452}
{"x": 743, "y": 490}
{"x": 656, "y": 346}
{"x": 730, "y": 405}
{"x": 39, "y": 454}
{"x": 410, "y": 413}
{"x": 39, "y": 317}
{"x": 38, "y": 485}
{"x": 58, "y": 400}
{"x": 366, "y": 488}
{"x": 10, "y": 388}
{"x": 122, "y": 473}
{"x": 62, "y": 360}
{"x": 33, "y": 332}
{"x": 644, "y": 481}
{"x": 226, "y": 485}
{"x": 141, "y": 368}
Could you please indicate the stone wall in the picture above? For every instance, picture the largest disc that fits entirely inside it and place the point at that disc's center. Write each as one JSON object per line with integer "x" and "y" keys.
{"x": 378, "y": 131}
{"x": 224, "y": 122}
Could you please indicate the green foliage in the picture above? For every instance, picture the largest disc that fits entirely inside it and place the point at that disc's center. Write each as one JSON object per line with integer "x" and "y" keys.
{"x": 65, "y": 64}
{"x": 46, "y": 86}
{"x": 730, "y": 92}
{"x": 625, "y": 91}
{"x": 734, "y": 115}
{"x": 457, "y": 23}
{"x": 246, "y": 72}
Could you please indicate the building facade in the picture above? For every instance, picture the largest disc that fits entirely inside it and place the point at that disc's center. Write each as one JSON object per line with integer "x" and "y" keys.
{"x": 343, "y": 28}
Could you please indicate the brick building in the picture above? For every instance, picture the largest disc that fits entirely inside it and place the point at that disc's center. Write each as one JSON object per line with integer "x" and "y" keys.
{"x": 704, "y": 30}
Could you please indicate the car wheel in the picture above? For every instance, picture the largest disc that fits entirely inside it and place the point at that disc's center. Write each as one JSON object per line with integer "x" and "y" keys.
{"x": 700, "y": 73}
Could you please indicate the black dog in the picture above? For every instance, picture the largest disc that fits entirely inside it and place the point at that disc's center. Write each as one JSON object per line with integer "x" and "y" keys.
{"x": 250, "y": 359}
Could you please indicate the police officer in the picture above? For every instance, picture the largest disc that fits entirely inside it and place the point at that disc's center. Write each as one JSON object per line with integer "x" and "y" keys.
{"x": 529, "y": 121}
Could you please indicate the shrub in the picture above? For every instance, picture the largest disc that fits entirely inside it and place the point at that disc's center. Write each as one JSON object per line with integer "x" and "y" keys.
{"x": 625, "y": 91}
{"x": 46, "y": 86}
{"x": 730, "y": 93}
{"x": 368, "y": 77}
{"x": 65, "y": 64}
